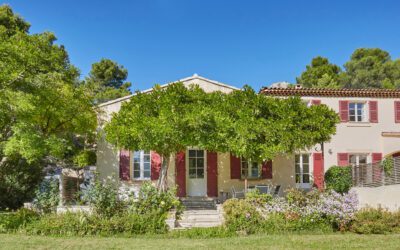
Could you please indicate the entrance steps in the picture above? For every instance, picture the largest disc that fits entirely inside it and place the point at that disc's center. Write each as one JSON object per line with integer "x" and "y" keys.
{"x": 199, "y": 203}
{"x": 200, "y": 212}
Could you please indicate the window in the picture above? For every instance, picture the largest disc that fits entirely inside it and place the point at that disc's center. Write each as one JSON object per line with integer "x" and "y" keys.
{"x": 196, "y": 164}
{"x": 357, "y": 159}
{"x": 357, "y": 112}
{"x": 250, "y": 169}
{"x": 141, "y": 165}
{"x": 302, "y": 168}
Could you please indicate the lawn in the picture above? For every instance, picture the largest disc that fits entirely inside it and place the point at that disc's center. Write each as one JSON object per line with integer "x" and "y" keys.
{"x": 330, "y": 241}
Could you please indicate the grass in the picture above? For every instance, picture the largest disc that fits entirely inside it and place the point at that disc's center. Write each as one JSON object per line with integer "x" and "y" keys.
{"x": 292, "y": 241}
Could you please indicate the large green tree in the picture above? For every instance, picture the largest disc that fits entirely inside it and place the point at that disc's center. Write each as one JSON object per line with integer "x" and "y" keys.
{"x": 371, "y": 68}
{"x": 320, "y": 74}
{"x": 107, "y": 81}
{"x": 46, "y": 115}
{"x": 249, "y": 125}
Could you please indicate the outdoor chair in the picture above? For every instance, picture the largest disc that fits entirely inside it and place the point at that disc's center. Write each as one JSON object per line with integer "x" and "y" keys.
{"x": 237, "y": 194}
{"x": 276, "y": 191}
{"x": 262, "y": 189}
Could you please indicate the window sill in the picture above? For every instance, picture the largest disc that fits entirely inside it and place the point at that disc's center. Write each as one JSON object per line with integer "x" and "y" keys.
{"x": 252, "y": 179}
{"x": 358, "y": 124}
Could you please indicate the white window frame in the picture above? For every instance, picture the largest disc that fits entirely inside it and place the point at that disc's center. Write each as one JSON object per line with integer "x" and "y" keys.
{"x": 357, "y": 155}
{"x": 364, "y": 113}
{"x": 249, "y": 169}
{"x": 142, "y": 153}
{"x": 197, "y": 167}
{"x": 301, "y": 183}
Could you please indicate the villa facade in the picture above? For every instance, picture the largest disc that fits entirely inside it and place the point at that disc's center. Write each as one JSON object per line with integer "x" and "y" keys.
{"x": 369, "y": 130}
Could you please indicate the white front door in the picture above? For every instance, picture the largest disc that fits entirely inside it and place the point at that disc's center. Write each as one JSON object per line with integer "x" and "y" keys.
{"x": 196, "y": 174}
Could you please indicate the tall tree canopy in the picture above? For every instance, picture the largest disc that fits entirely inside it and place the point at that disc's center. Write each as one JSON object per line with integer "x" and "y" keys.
{"x": 320, "y": 74}
{"x": 256, "y": 127}
{"x": 107, "y": 81}
{"x": 371, "y": 68}
{"x": 367, "y": 68}
{"x": 46, "y": 115}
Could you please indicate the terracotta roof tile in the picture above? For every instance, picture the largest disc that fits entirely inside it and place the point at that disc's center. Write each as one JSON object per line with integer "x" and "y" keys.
{"x": 378, "y": 93}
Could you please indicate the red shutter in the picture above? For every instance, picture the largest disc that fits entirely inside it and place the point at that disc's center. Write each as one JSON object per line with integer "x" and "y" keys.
{"x": 212, "y": 174}
{"x": 235, "y": 167}
{"x": 266, "y": 170}
{"x": 155, "y": 165}
{"x": 344, "y": 111}
{"x": 124, "y": 162}
{"x": 318, "y": 170}
{"x": 376, "y": 157}
{"x": 180, "y": 175}
{"x": 315, "y": 102}
{"x": 373, "y": 111}
{"x": 343, "y": 159}
{"x": 397, "y": 111}
{"x": 376, "y": 169}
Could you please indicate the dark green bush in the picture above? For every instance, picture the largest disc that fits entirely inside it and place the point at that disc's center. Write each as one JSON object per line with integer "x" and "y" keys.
{"x": 284, "y": 223}
{"x": 339, "y": 179}
{"x": 12, "y": 221}
{"x": 18, "y": 182}
{"x": 376, "y": 221}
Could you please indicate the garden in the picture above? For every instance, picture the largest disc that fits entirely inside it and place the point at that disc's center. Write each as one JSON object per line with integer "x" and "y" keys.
{"x": 116, "y": 212}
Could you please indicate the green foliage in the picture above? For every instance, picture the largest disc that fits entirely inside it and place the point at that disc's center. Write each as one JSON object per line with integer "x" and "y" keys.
{"x": 47, "y": 196}
{"x": 46, "y": 115}
{"x": 320, "y": 74}
{"x": 106, "y": 81}
{"x": 296, "y": 197}
{"x": 339, "y": 179}
{"x": 367, "y": 68}
{"x": 249, "y": 125}
{"x": 201, "y": 233}
{"x": 376, "y": 221}
{"x": 150, "y": 200}
{"x": 12, "y": 221}
{"x": 387, "y": 165}
{"x": 18, "y": 181}
{"x": 85, "y": 158}
{"x": 254, "y": 196}
{"x": 241, "y": 216}
{"x": 103, "y": 197}
{"x": 81, "y": 224}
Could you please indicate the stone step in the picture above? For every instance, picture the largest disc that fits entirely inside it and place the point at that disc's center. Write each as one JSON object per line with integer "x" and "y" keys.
{"x": 198, "y": 224}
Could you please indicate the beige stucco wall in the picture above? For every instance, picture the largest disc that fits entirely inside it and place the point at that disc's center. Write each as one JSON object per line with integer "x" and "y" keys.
{"x": 361, "y": 137}
{"x": 385, "y": 196}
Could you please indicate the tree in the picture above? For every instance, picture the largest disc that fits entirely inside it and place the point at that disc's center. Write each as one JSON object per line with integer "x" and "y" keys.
{"x": 46, "y": 115}
{"x": 371, "y": 68}
{"x": 320, "y": 74}
{"x": 244, "y": 123}
{"x": 107, "y": 81}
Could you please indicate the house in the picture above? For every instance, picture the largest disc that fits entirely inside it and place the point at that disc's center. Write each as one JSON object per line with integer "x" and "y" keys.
{"x": 369, "y": 130}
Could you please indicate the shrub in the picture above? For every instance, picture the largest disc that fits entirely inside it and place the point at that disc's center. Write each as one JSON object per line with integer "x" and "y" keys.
{"x": 150, "y": 200}
{"x": 13, "y": 221}
{"x": 241, "y": 216}
{"x": 104, "y": 197}
{"x": 18, "y": 181}
{"x": 339, "y": 179}
{"x": 376, "y": 221}
{"x": 254, "y": 196}
{"x": 81, "y": 224}
{"x": 47, "y": 196}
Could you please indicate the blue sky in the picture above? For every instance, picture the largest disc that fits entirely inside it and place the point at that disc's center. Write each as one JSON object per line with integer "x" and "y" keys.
{"x": 235, "y": 42}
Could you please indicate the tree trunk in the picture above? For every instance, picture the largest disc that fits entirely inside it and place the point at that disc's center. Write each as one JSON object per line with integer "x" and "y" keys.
{"x": 162, "y": 179}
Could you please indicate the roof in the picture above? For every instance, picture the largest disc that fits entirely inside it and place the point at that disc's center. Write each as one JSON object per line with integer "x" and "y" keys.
{"x": 194, "y": 77}
{"x": 378, "y": 93}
